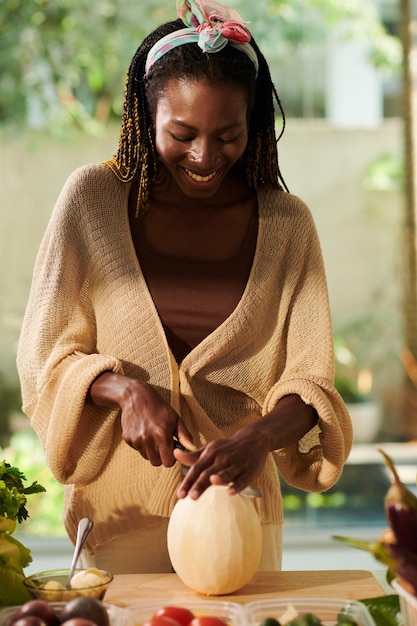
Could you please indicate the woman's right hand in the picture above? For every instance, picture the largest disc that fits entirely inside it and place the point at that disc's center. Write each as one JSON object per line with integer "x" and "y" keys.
{"x": 148, "y": 422}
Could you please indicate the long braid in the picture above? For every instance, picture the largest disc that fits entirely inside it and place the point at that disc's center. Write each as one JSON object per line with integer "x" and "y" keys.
{"x": 125, "y": 162}
{"x": 261, "y": 157}
{"x": 136, "y": 157}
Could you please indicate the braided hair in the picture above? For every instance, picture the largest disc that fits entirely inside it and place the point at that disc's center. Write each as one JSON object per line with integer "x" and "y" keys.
{"x": 137, "y": 157}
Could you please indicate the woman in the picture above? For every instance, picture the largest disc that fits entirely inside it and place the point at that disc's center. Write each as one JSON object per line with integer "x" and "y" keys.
{"x": 179, "y": 294}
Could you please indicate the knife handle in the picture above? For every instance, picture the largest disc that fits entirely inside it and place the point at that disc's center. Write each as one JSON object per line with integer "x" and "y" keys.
{"x": 178, "y": 445}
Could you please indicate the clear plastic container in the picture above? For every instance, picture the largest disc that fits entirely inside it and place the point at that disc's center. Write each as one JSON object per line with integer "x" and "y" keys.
{"x": 408, "y": 604}
{"x": 326, "y": 610}
{"x": 115, "y": 613}
{"x": 230, "y": 612}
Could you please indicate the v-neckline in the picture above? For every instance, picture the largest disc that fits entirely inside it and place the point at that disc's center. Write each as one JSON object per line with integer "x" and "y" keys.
{"x": 199, "y": 354}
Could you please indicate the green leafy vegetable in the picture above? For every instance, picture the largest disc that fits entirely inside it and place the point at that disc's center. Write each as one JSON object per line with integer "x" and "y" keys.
{"x": 13, "y": 492}
{"x": 14, "y": 556}
{"x": 385, "y": 610}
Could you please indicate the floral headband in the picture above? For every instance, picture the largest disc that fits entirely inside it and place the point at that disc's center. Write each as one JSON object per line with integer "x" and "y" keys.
{"x": 209, "y": 24}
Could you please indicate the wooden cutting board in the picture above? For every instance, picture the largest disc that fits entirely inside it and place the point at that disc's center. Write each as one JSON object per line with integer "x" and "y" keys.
{"x": 128, "y": 589}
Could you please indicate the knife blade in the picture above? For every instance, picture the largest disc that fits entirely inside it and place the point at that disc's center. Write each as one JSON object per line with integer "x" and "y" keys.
{"x": 251, "y": 491}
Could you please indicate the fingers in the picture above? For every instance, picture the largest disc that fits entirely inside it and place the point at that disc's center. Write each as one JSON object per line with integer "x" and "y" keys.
{"x": 205, "y": 470}
{"x": 235, "y": 486}
{"x": 221, "y": 478}
{"x": 151, "y": 441}
{"x": 184, "y": 436}
{"x": 185, "y": 457}
{"x": 218, "y": 463}
{"x": 157, "y": 451}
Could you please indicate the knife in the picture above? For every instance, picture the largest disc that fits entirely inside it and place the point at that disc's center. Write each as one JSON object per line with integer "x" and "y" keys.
{"x": 251, "y": 491}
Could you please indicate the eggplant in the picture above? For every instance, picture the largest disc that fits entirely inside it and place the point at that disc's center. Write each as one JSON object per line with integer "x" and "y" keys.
{"x": 401, "y": 509}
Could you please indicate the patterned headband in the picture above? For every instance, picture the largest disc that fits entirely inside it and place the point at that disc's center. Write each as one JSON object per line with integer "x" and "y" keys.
{"x": 209, "y": 24}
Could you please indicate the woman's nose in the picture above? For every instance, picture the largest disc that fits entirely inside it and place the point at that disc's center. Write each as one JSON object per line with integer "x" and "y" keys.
{"x": 204, "y": 154}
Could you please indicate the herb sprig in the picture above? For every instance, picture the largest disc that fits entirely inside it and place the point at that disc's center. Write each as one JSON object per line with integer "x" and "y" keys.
{"x": 13, "y": 493}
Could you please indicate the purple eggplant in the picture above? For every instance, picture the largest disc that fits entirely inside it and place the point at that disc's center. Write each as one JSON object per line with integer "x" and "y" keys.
{"x": 401, "y": 509}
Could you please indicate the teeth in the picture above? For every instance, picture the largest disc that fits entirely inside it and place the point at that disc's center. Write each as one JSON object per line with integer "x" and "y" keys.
{"x": 198, "y": 178}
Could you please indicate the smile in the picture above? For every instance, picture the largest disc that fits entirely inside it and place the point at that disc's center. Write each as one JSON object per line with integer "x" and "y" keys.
{"x": 198, "y": 178}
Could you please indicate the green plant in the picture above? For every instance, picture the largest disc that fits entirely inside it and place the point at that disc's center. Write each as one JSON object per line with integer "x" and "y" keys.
{"x": 14, "y": 556}
{"x": 352, "y": 380}
{"x": 385, "y": 173}
{"x": 57, "y": 72}
{"x": 26, "y": 452}
{"x": 10, "y": 401}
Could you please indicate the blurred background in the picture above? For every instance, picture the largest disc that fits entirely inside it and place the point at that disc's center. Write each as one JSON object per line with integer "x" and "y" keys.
{"x": 345, "y": 76}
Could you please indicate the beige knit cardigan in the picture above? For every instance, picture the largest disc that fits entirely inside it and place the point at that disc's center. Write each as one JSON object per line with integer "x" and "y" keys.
{"x": 90, "y": 311}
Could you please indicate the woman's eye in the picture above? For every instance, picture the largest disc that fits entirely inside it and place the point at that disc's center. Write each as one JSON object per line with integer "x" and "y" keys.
{"x": 228, "y": 139}
{"x": 181, "y": 139}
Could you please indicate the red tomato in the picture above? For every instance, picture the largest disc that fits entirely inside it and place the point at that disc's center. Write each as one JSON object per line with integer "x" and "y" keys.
{"x": 178, "y": 613}
{"x": 161, "y": 620}
{"x": 206, "y": 620}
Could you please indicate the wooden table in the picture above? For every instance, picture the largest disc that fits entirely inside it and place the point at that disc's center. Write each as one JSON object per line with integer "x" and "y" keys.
{"x": 128, "y": 589}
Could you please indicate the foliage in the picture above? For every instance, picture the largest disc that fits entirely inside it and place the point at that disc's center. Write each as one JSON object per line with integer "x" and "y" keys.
{"x": 385, "y": 610}
{"x": 57, "y": 71}
{"x": 10, "y": 400}
{"x": 350, "y": 376}
{"x": 26, "y": 452}
{"x": 13, "y": 493}
{"x": 294, "y": 22}
{"x": 386, "y": 173}
{"x": 361, "y": 347}
{"x": 360, "y": 19}
{"x": 14, "y": 556}
{"x": 351, "y": 501}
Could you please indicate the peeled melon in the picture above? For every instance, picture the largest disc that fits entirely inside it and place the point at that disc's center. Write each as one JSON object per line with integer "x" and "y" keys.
{"x": 215, "y": 542}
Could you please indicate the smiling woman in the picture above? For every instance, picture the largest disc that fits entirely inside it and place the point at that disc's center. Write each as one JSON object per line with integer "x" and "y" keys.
{"x": 202, "y": 132}
{"x": 179, "y": 292}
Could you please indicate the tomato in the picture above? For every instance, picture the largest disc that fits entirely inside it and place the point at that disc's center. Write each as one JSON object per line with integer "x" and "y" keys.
{"x": 161, "y": 620}
{"x": 206, "y": 620}
{"x": 180, "y": 614}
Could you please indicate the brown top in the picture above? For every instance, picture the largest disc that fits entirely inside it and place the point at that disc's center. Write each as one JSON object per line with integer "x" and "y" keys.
{"x": 194, "y": 297}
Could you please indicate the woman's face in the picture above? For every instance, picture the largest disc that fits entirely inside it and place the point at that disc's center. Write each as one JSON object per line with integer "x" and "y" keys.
{"x": 201, "y": 131}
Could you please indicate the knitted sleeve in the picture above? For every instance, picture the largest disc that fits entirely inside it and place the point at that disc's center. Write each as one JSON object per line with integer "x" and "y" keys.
{"x": 57, "y": 357}
{"x": 306, "y": 368}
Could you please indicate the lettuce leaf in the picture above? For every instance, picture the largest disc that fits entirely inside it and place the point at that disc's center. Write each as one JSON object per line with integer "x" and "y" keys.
{"x": 385, "y": 610}
{"x": 14, "y": 556}
{"x": 12, "y": 590}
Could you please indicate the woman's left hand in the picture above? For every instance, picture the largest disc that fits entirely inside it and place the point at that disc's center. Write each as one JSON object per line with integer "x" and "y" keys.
{"x": 238, "y": 460}
{"x": 235, "y": 461}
